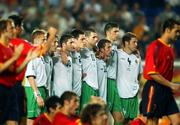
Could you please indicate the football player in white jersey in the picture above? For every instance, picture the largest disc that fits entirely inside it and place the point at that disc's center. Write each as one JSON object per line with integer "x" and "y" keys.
{"x": 129, "y": 70}
{"x": 90, "y": 81}
{"x": 103, "y": 52}
{"x": 80, "y": 41}
{"x": 111, "y": 31}
{"x": 62, "y": 77}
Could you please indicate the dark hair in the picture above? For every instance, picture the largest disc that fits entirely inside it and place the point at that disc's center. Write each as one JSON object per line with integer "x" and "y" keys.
{"x": 67, "y": 95}
{"x": 88, "y": 31}
{"x": 89, "y": 112}
{"x": 3, "y": 25}
{"x": 52, "y": 102}
{"x": 109, "y": 26}
{"x": 127, "y": 37}
{"x": 102, "y": 43}
{"x": 169, "y": 23}
{"x": 18, "y": 20}
{"x": 64, "y": 38}
{"x": 76, "y": 32}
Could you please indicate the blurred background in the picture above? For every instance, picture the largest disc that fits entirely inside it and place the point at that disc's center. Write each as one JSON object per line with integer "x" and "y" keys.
{"x": 142, "y": 17}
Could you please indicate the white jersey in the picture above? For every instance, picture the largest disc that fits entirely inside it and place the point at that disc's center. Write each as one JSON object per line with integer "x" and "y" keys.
{"x": 102, "y": 78}
{"x": 112, "y": 63}
{"x": 77, "y": 73}
{"x": 129, "y": 67}
{"x": 36, "y": 68}
{"x": 62, "y": 76}
{"x": 89, "y": 68}
{"x": 49, "y": 68}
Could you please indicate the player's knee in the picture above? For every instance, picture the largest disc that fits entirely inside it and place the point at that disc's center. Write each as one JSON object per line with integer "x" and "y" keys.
{"x": 176, "y": 121}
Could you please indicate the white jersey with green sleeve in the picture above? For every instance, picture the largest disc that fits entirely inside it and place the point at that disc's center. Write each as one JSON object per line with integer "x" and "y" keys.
{"x": 102, "y": 78}
{"x": 112, "y": 63}
{"x": 129, "y": 67}
{"x": 89, "y": 68}
{"x": 77, "y": 73}
{"x": 62, "y": 76}
{"x": 36, "y": 68}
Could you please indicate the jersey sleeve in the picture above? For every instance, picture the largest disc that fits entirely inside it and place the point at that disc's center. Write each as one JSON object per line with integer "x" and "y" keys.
{"x": 150, "y": 62}
{"x": 140, "y": 67}
{"x": 30, "y": 71}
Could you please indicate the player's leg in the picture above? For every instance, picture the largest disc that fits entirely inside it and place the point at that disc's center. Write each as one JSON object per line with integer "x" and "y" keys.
{"x": 175, "y": 119}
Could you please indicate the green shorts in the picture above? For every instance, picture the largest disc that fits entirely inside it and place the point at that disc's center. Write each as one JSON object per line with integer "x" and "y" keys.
{"x": 33, "y": 110}
{"x": 87, "y": 92}
{"x": 113, "y": 99}
{"x": 130, "y": 107}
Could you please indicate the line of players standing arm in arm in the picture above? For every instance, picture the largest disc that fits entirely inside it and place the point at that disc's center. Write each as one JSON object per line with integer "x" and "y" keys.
{"x": 80, "y": 79}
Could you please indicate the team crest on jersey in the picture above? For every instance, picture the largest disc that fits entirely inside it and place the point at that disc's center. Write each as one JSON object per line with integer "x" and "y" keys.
{"x": 68, "y": 63}
{"x": 122, "y": 58}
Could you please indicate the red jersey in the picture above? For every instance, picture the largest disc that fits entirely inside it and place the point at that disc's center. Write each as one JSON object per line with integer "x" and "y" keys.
{"x": 76, "y": 122}
{"x": 62, "y": 119}
{"x": 159, "y": 59}
{"x": 27, "y": 47}
{"x": 7, "y": 77}
{"x": 137, "y": 122}
{"x": 43, "y": 119}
